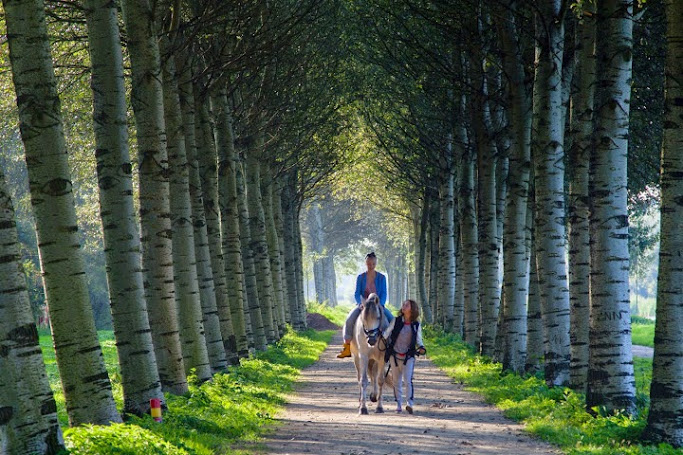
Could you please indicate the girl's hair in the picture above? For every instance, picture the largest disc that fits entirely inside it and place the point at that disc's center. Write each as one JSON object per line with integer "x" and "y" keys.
{"x": 414, "y": 310}
{"x": 371, "y": 255}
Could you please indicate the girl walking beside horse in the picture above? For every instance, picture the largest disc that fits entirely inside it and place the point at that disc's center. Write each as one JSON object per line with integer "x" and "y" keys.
{"x": 404, "y": 342}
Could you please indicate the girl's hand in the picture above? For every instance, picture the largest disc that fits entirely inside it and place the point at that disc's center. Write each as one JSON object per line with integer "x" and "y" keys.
{"x": 421, "y": 350}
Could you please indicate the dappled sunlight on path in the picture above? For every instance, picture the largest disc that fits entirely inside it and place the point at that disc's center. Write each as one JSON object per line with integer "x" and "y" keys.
{"x": 322, "y": 418}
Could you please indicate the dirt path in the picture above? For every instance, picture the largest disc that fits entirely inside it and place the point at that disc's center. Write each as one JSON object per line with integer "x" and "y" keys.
{"x": 322, "y": 418}
{"x": 643, "y": 351}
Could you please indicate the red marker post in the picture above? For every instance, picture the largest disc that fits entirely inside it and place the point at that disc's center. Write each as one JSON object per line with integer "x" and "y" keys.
{"x": 155, "y": 409}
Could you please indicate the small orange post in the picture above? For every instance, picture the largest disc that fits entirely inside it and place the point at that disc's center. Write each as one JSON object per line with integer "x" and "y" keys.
{"x": 155, "y": 409}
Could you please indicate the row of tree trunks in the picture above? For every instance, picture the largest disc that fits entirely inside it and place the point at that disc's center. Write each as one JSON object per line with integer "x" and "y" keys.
{"x": 137, "y": 360}
{"x": 85, "y": 381}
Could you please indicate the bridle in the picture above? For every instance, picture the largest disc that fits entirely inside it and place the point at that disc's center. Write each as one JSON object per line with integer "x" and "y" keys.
{"x": 376, "y": 332}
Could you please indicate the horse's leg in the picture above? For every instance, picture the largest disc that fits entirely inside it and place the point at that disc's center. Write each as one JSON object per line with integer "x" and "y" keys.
{"x": 372, "y": 373}
{"x": 380, "y": 385}
{"x": 363, "y": 373}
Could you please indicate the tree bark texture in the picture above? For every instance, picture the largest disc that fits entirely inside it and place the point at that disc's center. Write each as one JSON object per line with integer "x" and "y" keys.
{"x": 155, "y": 208}
{"x": 551, "y": 247}
{"x": 611, "y": 381}
{"x": 192, "y": 333}
{"x": 581, "y": 130}
{"x": 28, "y": 412}
{"x": 666, "y": 407}
{"x": 137, "y": 361}
{"x": 87, "y": 390}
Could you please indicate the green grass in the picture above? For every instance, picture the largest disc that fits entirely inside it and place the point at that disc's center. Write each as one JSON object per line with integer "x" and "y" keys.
{"x": 213, "y": 417}
{"x": 643, "y": 334}
{"x": 336, "y": 314}
{"x": 557, "y": 415}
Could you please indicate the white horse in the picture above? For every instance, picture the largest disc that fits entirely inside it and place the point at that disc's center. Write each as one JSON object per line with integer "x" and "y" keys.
{"x": 367, "y": 348}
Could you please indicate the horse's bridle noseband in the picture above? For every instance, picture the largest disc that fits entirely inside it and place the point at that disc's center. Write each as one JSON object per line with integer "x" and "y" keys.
{"x": 376, "y": 332}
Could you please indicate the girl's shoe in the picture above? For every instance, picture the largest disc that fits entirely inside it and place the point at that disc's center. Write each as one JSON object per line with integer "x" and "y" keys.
{"x": 409, "y": 409}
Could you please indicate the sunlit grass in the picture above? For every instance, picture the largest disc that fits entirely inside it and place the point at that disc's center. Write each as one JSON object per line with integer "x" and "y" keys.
{"x": 233, "y": 406}
{"x": 557, "y": 415}
{"x": 643, "y": 334}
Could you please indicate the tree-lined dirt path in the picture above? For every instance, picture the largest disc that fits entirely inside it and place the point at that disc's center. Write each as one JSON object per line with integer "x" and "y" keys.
{"x": 322, "y": 418}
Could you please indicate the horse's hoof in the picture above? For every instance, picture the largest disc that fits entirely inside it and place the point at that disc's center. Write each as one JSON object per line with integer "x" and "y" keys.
{"x": 363, "y": 411}
{"x": 373, "y": 398}
{"x": 380, "y": 410}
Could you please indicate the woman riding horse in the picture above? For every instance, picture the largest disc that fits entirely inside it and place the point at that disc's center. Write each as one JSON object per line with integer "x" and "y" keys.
{"x": 367, "y": 283}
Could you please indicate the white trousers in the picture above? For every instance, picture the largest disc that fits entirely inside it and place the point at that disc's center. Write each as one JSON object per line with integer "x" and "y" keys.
{"x": 402, "y": 374}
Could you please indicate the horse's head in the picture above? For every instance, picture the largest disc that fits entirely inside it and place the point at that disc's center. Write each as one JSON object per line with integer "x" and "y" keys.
{"x": 371, "y": 318}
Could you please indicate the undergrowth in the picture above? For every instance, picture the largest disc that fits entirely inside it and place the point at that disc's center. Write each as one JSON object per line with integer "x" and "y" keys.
{"x": 233, "y": 406}
{"x": 557, "y": 415}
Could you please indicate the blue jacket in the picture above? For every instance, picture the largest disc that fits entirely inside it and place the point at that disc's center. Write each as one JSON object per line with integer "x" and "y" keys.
{"x": 380, "y": 285}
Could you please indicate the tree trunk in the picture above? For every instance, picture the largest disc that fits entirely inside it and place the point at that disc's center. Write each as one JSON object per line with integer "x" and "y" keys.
{"x": 551, "y": 248}
{"x": 260, "y": 325}
{"x": 611, "y": 381}
{"x": 273, "y": 245}
{"x": 447, "y": 244}
{"x": 155, "y": 212}
{"x": 434, "y": 259}
{"x": 137, "y": 362}
{"x": 28, "y": 422}
{"x": 515, "y": 250}
{"x": 217, "y": 320}
{"x": 87, "y": 390}
{"x": 279, "y": 227}
{"x": 229, "y": 297}
{"x": 290, "y": 245}
{"x": 583, "y": 87}
{"x": 192, "y": 333}
{"x": 420, "y": 271}
{"x": 666, "y": 409}
{"x": 489, "y": 286}
{"x": 259, "y": 242}
{"x": 230, "y": 207}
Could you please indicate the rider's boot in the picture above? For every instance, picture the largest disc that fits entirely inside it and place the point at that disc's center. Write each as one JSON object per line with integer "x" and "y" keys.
{"x": 345, "y": 352}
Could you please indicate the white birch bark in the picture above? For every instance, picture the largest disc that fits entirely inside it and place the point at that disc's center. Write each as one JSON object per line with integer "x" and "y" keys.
{"x": 87, "y": 390}
{"x": 434, "y": 257}
{"x": 231, "y": 232}
{"x": 137, "y": 361}
{"x": 290, "y": 254}
{"x": 267, "y": 184}
{"x": 259, "y": 241}
{"x": 489, "y": 285}
{"x": 446, "y": 239}
{"x": 192, "y": 333}
{"x": 581, "y": 130}
{"x": 611, "y": 382}
{"x": 155, "y": 211}
{"x": 551, "y": 247}
{"x": 469, "y": 238}
{"x": 262, "y": 332}
{"x": 515, "y": 249}
{"x": 279, "y": 227}
{"x": 217, "y": 320}
{"x": 28, "y": 411}
{"x": 421, "y": 260}
{"x": 228, "y": 288}
{"x": 666, "y": 408}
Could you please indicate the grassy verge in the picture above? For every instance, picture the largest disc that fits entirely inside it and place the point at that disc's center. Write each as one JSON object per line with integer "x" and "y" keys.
{"x": 336, "y": 314}
{"x": 643, "y": 334}
{"x": 214, "y": 416}
{"x": 556, "y": 415}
